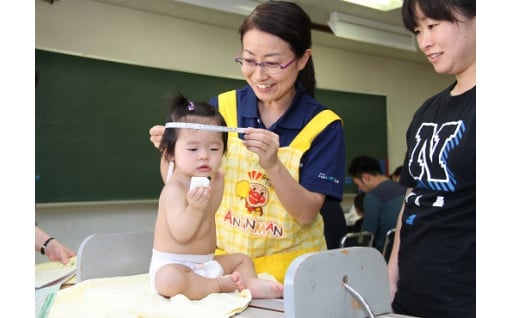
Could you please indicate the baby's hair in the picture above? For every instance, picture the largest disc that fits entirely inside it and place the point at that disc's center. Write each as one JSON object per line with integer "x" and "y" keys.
{"x": 184, "y": 110}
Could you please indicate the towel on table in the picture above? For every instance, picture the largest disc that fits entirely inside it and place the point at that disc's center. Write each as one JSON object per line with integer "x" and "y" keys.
{"x": 130, "y": 296}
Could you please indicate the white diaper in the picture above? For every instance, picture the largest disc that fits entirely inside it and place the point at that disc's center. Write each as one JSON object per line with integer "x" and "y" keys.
{"x": 203, "y": 265}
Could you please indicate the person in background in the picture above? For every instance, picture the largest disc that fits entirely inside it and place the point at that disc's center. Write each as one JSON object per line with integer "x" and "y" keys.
{"x": 395, "y": 176}
{"x": 183, "y": 260}
{"x": 432, "y": 268}
{"x": 358, "y": 206}
{"x": 284, "y": 175}
{"x": 51, "y": 247}
{"x": 382, "y": 201}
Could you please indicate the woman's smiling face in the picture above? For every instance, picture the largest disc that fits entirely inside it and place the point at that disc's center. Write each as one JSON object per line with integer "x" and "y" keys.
{"x": 261, "y": 47}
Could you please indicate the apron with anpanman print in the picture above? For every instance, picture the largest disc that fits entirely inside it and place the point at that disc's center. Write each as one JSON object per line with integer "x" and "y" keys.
{"x": 251, "y": 219}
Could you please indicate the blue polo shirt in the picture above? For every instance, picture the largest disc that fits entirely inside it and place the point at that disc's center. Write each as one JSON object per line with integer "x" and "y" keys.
{"x": 323, "y": 165}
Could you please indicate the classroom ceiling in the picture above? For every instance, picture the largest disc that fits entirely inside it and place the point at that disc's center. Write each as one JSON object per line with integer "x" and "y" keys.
{"x": 318, "y": 10}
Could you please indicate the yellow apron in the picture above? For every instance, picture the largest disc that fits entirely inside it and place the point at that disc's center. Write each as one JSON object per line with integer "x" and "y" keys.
{"x": 251, "y": 219}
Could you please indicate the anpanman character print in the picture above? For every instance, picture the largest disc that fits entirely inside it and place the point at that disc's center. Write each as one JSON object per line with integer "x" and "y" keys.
{"x": 254, "y": 193}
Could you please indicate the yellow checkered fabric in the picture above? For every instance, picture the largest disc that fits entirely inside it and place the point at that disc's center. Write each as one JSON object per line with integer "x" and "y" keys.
{"x": 251, "y": 219}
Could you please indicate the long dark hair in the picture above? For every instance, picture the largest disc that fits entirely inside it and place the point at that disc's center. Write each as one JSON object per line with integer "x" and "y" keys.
{"x": 438, "y": 10}
{"x": 184, "y": 110}
{"x": 290, "y": 23}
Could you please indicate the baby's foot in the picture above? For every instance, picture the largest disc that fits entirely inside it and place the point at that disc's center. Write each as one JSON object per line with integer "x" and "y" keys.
{"x": 263, "y": 288}
{"x": 230, "y": 283}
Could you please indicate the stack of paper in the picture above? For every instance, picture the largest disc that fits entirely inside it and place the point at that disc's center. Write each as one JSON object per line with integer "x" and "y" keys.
{"x": 54, "y": 273}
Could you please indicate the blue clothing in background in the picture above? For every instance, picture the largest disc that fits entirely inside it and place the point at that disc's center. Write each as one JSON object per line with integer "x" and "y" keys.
{"x": 381, "y": 209}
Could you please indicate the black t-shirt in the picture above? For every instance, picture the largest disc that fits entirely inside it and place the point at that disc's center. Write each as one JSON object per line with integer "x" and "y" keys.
{"x": 437, "y": 256}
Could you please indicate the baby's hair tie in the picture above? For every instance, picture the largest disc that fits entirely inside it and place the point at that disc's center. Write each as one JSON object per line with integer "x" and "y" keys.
{"x": 191, "y": 106}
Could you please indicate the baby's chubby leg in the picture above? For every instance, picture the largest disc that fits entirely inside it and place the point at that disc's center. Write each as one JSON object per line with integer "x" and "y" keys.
{"x": 174, "y": 279}
{"x": 213, "y": 269}
{"x": 230, "y": 283}
{"x": 263, "y": 288}
{"x": 242, "y": 263}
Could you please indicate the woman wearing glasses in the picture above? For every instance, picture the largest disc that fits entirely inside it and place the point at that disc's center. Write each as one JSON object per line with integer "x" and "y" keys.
{"x": 289, "y": 165}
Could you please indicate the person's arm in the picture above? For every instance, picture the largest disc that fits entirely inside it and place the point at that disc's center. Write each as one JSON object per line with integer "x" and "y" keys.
{"x": 301, "y": 203}
{"x": 55, "y": 250}
{"x": 393, "y": 258}
{"x": 217, "y": 183}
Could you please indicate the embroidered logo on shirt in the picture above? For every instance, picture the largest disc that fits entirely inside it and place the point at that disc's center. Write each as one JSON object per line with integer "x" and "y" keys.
{"x": 324, "y": 176}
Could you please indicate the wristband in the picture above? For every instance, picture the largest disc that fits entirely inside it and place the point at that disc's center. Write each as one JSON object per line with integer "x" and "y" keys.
{"x": 43, "y": 247}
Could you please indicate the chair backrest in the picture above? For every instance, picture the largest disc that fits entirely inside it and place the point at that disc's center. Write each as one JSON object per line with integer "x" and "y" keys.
{"x": 114, "y": 254}
{"x": 388, "y": 244}
{"x": 322, "y": 278}
{"x": 357, "y": 239}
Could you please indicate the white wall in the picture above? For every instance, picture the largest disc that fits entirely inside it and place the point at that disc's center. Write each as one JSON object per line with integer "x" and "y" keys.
{"x": 72, "y": 223}
{"x": 92, "y": 29}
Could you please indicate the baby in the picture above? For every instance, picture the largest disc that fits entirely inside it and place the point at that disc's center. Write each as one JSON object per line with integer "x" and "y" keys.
{"x": 183, "y": 260}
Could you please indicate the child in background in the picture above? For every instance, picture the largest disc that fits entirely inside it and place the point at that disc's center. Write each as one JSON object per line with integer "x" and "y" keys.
{"x": 183, "y": 260}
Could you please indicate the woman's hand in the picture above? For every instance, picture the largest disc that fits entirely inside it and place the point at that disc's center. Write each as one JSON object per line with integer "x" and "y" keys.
{"x": 265, "y": 144}
{"x": 156, "y": 133}
{"x": 56, "y": 251}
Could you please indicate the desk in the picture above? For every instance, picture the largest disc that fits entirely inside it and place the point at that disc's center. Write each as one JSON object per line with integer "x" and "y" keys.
{"x": 274, "y": 308}
{"x": 264, "y": 308}
{"x": 345, "y": 282}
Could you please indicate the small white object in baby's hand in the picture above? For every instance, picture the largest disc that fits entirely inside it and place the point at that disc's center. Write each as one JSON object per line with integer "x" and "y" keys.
{"x": 199, "y": 182}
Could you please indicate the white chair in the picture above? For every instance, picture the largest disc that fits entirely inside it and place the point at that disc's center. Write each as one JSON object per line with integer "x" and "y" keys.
{"x": 114, "y": 254}
{"x": 357, "y": 239}
{"x": 346, "y": 282}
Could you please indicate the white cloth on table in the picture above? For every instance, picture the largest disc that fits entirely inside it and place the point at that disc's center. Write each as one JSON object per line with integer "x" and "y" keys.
{"x": 130, "y": 296}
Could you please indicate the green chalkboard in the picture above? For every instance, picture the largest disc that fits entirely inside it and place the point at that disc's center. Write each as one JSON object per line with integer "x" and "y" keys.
{"x": 93, "y": 117}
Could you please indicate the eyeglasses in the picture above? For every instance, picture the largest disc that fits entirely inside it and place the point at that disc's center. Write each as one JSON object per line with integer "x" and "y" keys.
{"x": 269, "y": 67}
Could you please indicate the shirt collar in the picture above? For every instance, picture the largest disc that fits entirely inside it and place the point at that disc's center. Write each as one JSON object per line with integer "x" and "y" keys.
{"x": 293, "y": 118}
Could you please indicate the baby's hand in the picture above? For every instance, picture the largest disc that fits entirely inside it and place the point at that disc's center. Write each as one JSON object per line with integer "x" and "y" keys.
{"x": 199, "y": 192}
